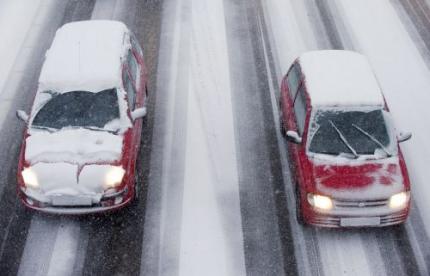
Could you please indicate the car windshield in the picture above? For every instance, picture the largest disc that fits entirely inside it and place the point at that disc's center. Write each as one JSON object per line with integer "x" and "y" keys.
{"x": 357, "y": 133}
{"x": 78, "y": 109}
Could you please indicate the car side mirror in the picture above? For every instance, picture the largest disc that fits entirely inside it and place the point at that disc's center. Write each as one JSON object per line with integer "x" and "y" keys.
{"x": 404, "y": 136}
{"x": 138, "y": 113}
{"x": 293, "y": 137}
{"x": 22, "y": 115}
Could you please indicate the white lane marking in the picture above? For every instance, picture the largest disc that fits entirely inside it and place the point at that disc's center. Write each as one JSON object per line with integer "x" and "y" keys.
{"x": 333, "y": 246}
{"x": 211, "y": 234}
{"x": 159, "y": 248}
{"x": 16, "y": 18}
{"x": 65, "y": 249}
{"x": 302, "y": 259}
{"x": 38, "y": 247}
{"x": 405, "y": 80}
{"x": 104, "y": 9}
{"x": 171, "y": 196}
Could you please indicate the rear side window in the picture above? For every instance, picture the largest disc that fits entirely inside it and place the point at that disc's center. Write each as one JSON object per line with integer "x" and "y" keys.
{"x": 293, "y": 80}
{"x": 129, "y": 88}
{"x": 300, "y": 109}
{"x": 132, "y": 65}
{"x": 135, "y": 44}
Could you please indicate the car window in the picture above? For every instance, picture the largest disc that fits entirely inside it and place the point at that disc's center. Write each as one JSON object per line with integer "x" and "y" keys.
{"x": 300, "y": 109}
{"x": 293, "y": 80}
{"x": 135, "y": 44}
{"x": 129, "y": 88}
{"x": 79, "y": 109}
{"x": 132, "y": 65}
{"x": 364, "y": 131}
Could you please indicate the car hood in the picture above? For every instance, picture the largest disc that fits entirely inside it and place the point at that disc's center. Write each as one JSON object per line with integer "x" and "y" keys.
{"x": 377, "y": 179}
{"x": 76, "y": 146}
{"x": 70, "y": 179}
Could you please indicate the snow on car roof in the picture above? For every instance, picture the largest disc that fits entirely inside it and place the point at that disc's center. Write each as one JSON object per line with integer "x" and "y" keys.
{"x": 340, "y": 78}
{"x": 84, "y": 55}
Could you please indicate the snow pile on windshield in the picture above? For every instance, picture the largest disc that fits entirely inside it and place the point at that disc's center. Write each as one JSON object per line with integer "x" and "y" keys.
{"x": 339, "y": 78}
{"x": 77, "y": 146}
{"x": 84, "y": 56}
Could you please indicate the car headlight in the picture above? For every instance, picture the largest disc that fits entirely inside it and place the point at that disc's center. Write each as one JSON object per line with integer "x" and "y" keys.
{"x": 320, "y": 201}
{"x": 30, "y": 178}
{"x": 114, "y": 176}
{"x": 399, "y": 200}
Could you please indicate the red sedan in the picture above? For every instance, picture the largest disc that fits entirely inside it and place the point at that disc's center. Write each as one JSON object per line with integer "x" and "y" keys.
{"x": 347, "y": 164}
{"x": 83, "y": 133}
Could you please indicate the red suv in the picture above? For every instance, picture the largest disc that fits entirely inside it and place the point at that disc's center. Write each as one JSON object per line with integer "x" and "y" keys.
{"x": 347, "y": 165}
{"x": 83, "y": 133}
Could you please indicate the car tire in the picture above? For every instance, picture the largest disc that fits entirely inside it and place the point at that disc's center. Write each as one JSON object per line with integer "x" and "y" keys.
{"x": 299, "y": 214}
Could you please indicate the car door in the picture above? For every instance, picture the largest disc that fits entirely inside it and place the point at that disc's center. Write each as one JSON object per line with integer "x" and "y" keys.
{"x": 290, "y": 86}
{"x": 298, "y": 123}
{"x": 142, "y": 74}
{"x": 132, "y": 139}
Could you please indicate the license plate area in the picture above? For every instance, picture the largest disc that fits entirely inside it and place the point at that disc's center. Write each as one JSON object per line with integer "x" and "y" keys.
{"x": 65, "y": 200}
{"x": 361, "y": 221}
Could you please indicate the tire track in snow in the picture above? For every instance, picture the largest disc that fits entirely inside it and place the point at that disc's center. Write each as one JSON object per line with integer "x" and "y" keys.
{"x": 161, "y": 246}
{"x": 20, "y": 87}
{"x": 268, "y": 243}
{"x": 398, "y": 240}
{"x": 68, "y": 230}
{"x": 115, "y": 246}
{"x": 299, "y": 243}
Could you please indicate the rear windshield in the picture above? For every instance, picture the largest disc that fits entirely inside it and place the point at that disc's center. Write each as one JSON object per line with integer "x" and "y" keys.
{"x": 78, "y": 109}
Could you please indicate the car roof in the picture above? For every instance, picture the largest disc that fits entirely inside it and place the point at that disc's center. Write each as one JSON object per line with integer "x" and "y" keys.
{"x": 340, "y": 78}
{"x": 85, "y": 55}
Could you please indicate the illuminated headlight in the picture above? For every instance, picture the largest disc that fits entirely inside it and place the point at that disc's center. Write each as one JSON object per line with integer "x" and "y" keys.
{"x": 399, "y": 200}
{"x": 114, "y": 177}
{"x": 30, "y": 178}
{"x": 320, "y": 202}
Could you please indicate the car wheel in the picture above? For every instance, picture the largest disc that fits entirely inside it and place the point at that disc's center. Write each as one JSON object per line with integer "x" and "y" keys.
{"x": 299, "y": 214}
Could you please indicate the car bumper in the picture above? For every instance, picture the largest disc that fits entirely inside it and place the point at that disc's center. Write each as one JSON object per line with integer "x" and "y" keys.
{"x": 106, "y": 204}
{"x": 356, "y": 221}
{"x": 372, "y": 214}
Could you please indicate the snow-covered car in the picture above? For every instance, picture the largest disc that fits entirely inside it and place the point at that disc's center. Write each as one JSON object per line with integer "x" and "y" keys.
{"x": 347, "y": 166}
{"x": 83, "y": 132}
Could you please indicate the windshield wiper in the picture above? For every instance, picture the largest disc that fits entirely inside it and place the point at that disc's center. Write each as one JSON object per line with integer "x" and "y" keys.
{"x": 373, "y": 139}
{"x": 342, "y": 137}
{"x": 100, "y": 129}
{"x": 49, "y": 129}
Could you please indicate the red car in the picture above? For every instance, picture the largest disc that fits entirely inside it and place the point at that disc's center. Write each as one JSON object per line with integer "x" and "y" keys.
{"x": 83, "y": 133}
{"x": 344, "y": 151}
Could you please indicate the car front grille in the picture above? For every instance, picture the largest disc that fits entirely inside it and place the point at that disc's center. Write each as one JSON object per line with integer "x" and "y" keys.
{"x": 347, "y": 204}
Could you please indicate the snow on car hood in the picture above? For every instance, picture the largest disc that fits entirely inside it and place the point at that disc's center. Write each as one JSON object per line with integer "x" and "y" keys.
{"x": 361, "y": 181}
{"x": 66, "y": 179}
{"x": 76, "y": 146}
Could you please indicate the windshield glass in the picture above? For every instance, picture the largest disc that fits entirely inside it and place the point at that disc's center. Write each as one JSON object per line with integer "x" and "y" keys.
{"x": 78, "y": 109}
{"x": 356, "y": 132}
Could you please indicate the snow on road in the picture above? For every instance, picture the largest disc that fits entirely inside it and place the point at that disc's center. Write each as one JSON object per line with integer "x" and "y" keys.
{"x": 211, "y": 239}
{"x": 200, "y": 222}
{"x": 197, "y": 207}
{"x": 404, "y": 78}
{"x": 14, "y": 30}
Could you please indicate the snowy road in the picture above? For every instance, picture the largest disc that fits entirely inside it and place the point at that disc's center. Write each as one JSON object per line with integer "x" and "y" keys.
{"x": 217, "y": 196}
